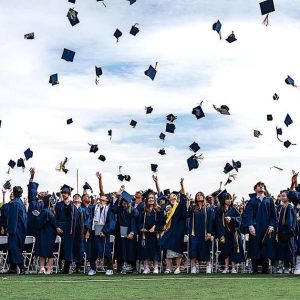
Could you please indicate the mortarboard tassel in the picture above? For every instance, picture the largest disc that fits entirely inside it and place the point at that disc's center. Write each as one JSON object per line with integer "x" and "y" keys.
{"x": 266, "y": 20}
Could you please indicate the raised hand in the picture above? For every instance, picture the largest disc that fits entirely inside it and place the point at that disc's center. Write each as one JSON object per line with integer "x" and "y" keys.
{"x": 99, "y": 175}
{"x": 154, "y": 178}
{"x": 32, "y": 172}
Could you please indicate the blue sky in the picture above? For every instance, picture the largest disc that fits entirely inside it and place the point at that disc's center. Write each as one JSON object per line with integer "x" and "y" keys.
{"x": 193, "y": 66}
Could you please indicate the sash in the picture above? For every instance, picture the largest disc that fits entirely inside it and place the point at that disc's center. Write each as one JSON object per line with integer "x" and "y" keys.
{"x": 169, "y": 218}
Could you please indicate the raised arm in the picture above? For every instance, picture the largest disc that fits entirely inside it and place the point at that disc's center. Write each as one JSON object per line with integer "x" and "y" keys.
{"x": 155, "y": 179}
{"x": 99, "y": 176}
{"x": 182, "y": 189}
{"x": 3, "y": 196}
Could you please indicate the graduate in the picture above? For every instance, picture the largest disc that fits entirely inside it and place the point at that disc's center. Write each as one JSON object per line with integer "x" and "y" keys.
{"x": 200, "y": 232}
{"x": 126, "y": 233}
{"x": 259, "y": 219}
{"x": 172, "y": 237}
{"x": 16, "y": 230}
{"x": 149, "y": 227}
{"x": 228, "y": 221}
{"x": 46, "y": 231}
{"x": 35, "y": 202}
{"x": 285, "y": 245}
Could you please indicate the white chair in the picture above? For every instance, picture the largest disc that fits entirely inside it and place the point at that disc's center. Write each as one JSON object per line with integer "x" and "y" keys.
{"x": 3, "y": 254}
{"x": 28, "y": 253}
{"x": 56, "y": 254}
{"x": 186, "y": 266}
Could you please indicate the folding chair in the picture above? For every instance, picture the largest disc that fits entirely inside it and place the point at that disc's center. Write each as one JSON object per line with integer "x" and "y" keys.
{"x": 212, "y": 253}
{"x": 186, "y": 265}
{"x": 217, "y": 254}
{"x": 100, "y": 266}
{"x": 3, "y": 254}
{"x": 28, "y": 253}
{"x": 56, "y": 254}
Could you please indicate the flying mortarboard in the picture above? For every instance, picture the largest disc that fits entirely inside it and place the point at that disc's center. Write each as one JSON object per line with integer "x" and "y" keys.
{"x": 72, "y": 1}
{"x": 72, "y": 16}
{"x": 68, "y": 55}
{"x": 231, "y": 38}
{"x": 134, "y": 29}
{"x": 127, "y": 177}
{"x": 93, "y": 148}
{"x": 162, "y": 136}
{"x": 198, "y": 112}
{"x": 170, "y": 127}
{"x": 69, "y": 121}
{"x": 275, "y": 97}
{"x": 193, "y": 161}
{"x": 224, "y": 109}
{"x": 290, "y": 81}
{"x": 288, "y": 120}
{"x": 217, "y": 27}
{"x": 53, "y": 79}
{"x": 126, "y": 196}
{"x": 131, "y": 1}
{"x": 102, "y": 158}
{"x": 236, "y": 165}
{"x": 257, "y": 133}
{"x": 20, "y": 163}
{"x": 117, "y": 34}
{"x": 86, "y": 186}
{"x": 98, "y": 71}
{"x": 171, "y": 117}
{"x": 278, "y": 132}
{"x": 28, "y": 154}
{"x": 162, "y": 151}
{"x": 233, "y": 213}
{"x": 148, "y": 109}
{"x": 194, "y": 147}
{"x": 167, "y": 192}
{"x": 151, "y": 72}
{"x": 288, "y": 144}
{"x": 109, "y": 132}
{"x": 133, "y": 123}
{"x": 266, "y": 7}
{"x": 29, "y": 36}
{"x": 228, "y": 168}
{"x": 120, "y": 177}
{"x": 7, "y": 185}
{"x": 154, "y": 168}
{"x": 269, "y": 118}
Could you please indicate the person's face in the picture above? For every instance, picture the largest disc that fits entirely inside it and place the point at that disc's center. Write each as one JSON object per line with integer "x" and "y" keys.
{"x": 11, "y": 196}
{"x": 199, "y": 198}
{"x": 210, "y": 200}
{"x": 151, "y": 199}
{"x": 228, "y": 202}
{"x": 86, "y": 199}
{"x": 65, "y": 196}
{"x": 77, "y": 200}
{"x": 260, "y": 188}
{"x": 41, "y": 195}
{"x": 283, "y": 198}
{"x": 173, "y": 198}
{"x": 124, "y": 203}
{"x": 103, "y": 200}
{"x": 138, "y": 197}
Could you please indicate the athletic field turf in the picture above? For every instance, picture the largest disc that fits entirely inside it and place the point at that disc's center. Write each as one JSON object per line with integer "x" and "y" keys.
{"x": 150, "y": 287}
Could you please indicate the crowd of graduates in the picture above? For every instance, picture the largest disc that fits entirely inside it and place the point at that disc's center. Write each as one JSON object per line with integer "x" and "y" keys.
{"x": 150, "y": 227}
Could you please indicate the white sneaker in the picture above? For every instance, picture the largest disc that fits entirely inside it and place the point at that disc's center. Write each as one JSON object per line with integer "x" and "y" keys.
{"x": 225, "y": 271}
{"x": 156, "y": 271}
{"x": 208, "y": 270}
{"x": 233, "y": 271}
{"x": 297, "y": 271}
{"x": 177, "y": 271}
{"x": 280, "y": 271}
{"x": 167, "y": 271}
{"x": 91, "y": 272}
{"x": 193, "y": 270}
{"x": 146, "y": 270}
{"x": 128, "y": 268}
{"x": 109, "y": 272}
{"x": 286, "y": 271}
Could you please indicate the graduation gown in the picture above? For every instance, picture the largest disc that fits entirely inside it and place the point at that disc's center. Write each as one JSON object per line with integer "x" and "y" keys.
{"x": 45, "y": 228}
{"x": 88, "y": 215}
{"x": 285, "y": 245}
{"x": 173, "y": 237}
{"x": 260, "y": 215}
{"x": 232, "y": 246}
{"x": 3, "y": 217}
{"x": 16, "y": 229}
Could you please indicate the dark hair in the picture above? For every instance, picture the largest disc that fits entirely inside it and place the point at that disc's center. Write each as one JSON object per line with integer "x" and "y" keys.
{"x": 228, "y": 196}
{"x": 46, "y": 201}
{"x": 17, "y": 191}
{"x": 259, "y": 183}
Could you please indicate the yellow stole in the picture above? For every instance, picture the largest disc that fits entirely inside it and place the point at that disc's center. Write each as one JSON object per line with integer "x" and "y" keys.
{"x": 169, "y": 218}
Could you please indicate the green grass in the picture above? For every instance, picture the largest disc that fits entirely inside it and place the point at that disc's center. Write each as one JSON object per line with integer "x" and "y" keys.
{"x": 216, "y": 286}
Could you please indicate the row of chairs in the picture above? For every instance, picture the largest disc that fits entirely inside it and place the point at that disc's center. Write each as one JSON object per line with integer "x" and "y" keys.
{"x": 31, "y": 262}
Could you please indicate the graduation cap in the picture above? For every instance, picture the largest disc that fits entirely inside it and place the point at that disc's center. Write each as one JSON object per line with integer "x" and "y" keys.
{"x": 53, "y": 79}
{"x": 7, "y": 185}
{"x": 148, "y": 109}
{"x": 290, "y": 81}
{"x": 109, "y": 132}
{"x": 66, "y": 189}
{"x": 224, "y": 109}
{"x": 288, "y": 120}
{"x": 126, "y": 196}
{"x": 266, "y": 7}
{"x": 222, "y": 196}
{"x": 154, "y": 168}
{"x": 278, "y": 132}
{"x": 29, "y": 36}
{"x": 217, "y": 27}
{"x": 11, "y": 164}
{"x": 98, "y": 71}
{"x": 162, "y": 151}
{"x": 151, "y": 72}
{"x": 86, "y": 186}
{"x": 231, "y": 38}
{"x": 193, "y": 161}
{"x": 162, "y": 136}
{"x": 102, "y": 158}
{"x": 28, "y": 154}
{"x": 233, "y": 213}
{"x": 257, "y": 133}
{"x": 269, "y": 118}
{"x": 72, "y": 1}
{"x": 62, "y": 166}
{"x": 167, "y": 192}
{"x": 228, "y": 168}
{"x": 171, "y": 117}
{"x": 288, "y": 144}
{"x": 170, "y": 127}
{"x": 275, "y": 97}
{"x": 72, "y": 17}
{"x": 194, "y": 147}
{"x": 68, "y": 55}
{"x": 20, "y": 163}
{"x": 134, "y": 29}
{"x": 93, "y": 148}
{"x": 236, "y": 165}
{"x": 198, "y": 112}
{"x": 117, "y": 34}
{"x": 121, "y": 177}
{"x": 131, "y": 1}
{"x": 133, "y": 123}
{"x": 127, "y": 177}
{"x": 69, "y": 121}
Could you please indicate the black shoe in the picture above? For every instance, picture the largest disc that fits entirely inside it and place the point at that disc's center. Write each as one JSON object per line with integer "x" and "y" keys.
{"x": 11, "y": 272}
{"x": 22, "y": 271}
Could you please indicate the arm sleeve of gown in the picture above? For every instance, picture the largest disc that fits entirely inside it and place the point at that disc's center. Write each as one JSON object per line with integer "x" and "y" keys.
{"x": 273, "y": 217}
{"x": 32, "y": 191}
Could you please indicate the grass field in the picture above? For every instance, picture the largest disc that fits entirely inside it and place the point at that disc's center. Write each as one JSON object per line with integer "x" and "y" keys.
{"x": 150, "y": 287}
